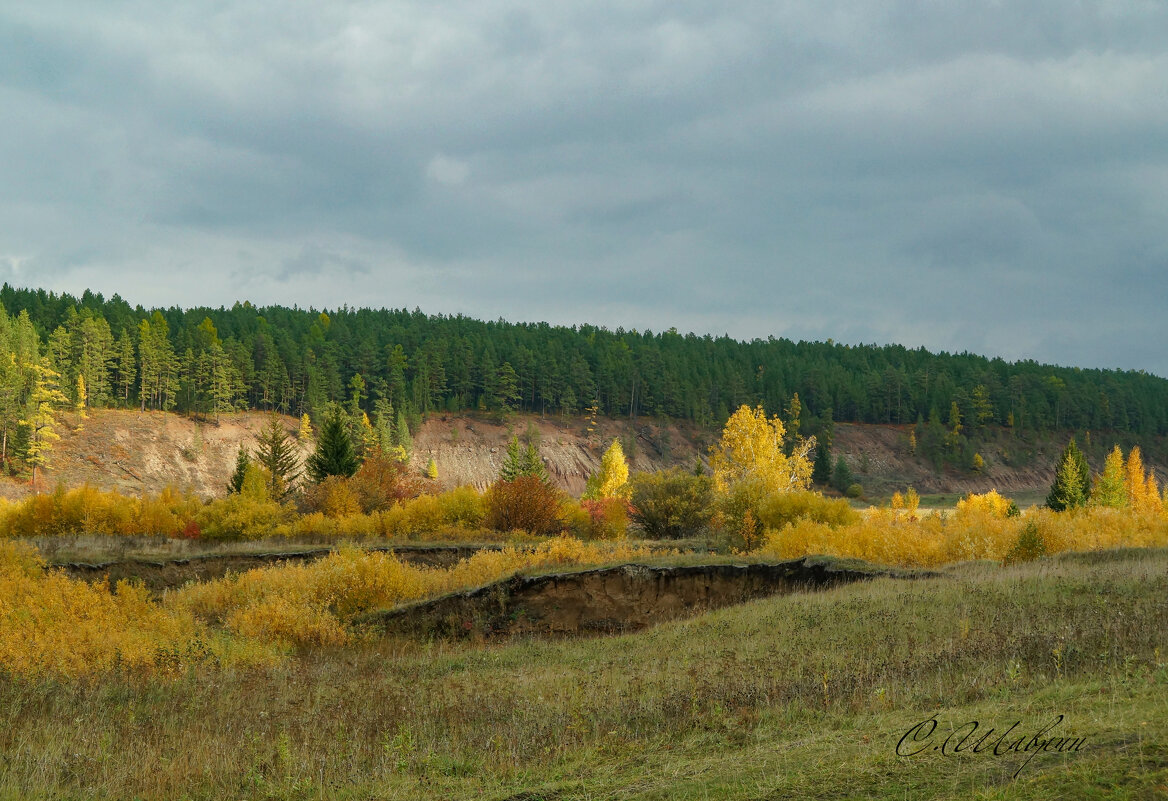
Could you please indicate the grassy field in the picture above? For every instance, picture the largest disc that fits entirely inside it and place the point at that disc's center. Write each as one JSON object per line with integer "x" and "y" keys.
{"x": 801, "y": 696}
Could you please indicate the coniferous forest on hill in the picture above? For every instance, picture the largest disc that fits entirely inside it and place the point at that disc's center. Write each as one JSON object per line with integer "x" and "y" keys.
{"x": 205, "y": 361}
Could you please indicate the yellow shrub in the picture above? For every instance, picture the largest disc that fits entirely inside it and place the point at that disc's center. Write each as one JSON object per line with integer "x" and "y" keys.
{"x": 988, "y": 503}
{"x": 310, "y": 603}
{"x": 281, "y": 620}
{"x": 87, "y": 511}
{"x": 980, "y": 530}
{"x": 240, "y": 517}
{"x": 52, "y": 624}
{"x": 779, "y": 509}
{"x": 462, "y": 506}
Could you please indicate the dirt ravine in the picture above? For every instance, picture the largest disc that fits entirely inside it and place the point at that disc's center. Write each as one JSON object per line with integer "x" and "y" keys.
{"x": 612, "y": 599}
{"x": 172, "y": 573}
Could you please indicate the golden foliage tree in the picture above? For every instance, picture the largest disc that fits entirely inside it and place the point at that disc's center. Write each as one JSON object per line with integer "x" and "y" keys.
{"x": 612, "y": 479}
{"x": 751, "y": 449}
{"x": 1136, "y": 480}
{"x": 1152, "y": 500}
{"x": 1109, "y": 488}
{"x": 45, "y": 398}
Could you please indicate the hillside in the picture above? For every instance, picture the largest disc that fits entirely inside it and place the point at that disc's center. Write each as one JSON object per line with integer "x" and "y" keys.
{"x": 135, "y": 452}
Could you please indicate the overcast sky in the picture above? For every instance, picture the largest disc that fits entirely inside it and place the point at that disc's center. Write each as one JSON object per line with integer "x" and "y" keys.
{"x": 982, "y": 176}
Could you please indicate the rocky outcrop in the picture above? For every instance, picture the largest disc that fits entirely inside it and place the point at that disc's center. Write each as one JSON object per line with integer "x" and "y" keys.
{"x": 613, "y": 599}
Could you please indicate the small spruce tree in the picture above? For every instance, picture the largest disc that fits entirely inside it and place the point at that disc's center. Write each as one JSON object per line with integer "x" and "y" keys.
{"x": 334, "y": 451}
{"x": 1071, "y": 480}
{"x": 513, "y": 462}
{"x": 842, "y": 478}
{"x": 522, "y": 462}
{"x": 242, "y": 461}
{"x": 533, "y": 464}
{"x": 821, "y": 472}
{"x": 276, "y": 454}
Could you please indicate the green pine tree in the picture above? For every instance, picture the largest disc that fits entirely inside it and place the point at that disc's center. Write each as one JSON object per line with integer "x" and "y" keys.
{"x": 402, "y": 441}
{"x": 533, "y": 464}
{"x": 842, "y": 477}
{"x": 242, "y": 461}
{"x": 334, "y": 454}
{"x": 277, "y": 455}
{"x": 1071, "y": 480}
{"x": 821, "y": 472}
{"x": 522, "y": 461}
{"x": 513, "y": 463}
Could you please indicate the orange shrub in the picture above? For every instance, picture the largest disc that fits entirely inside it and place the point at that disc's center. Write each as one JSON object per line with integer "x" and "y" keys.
{"x": 381, "y": 482}
{"x": 524, "y": 504}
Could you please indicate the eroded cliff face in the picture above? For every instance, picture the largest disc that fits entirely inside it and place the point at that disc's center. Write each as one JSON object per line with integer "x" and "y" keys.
{"x": 471, "y": 451}
{"x": 614, "y": 599}
{"x": 143, "y": 452}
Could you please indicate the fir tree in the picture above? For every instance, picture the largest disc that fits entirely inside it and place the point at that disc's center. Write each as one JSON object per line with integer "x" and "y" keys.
{"x": 533, "y": 464}
{"x": 821, "y": 472}
{"x": 522, "y": 462}
{"x": 277, "y": 455}
{"x": 242, "y": 462}
{"x": 334, "y": 451}
{"x": 842, "y": 477}
{"x": 403, "y": 443}
{"x": 513, "y": 462}
{"x": 1071, "y": 480}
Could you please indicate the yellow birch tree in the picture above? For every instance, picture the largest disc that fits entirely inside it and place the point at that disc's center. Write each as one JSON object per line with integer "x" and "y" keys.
{"x": 751, "y": 449}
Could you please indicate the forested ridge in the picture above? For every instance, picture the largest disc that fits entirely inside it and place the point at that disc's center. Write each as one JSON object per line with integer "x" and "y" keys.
{"x": 206, "y": 361}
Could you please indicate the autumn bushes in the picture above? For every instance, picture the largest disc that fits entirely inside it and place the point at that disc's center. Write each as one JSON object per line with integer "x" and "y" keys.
{"x": 51, "y": 624}
{"x": 316, "y": 604}
{"x": 87, "y": 510}
{"x": 365, "y": 506}
{"x": 982, "y": 527}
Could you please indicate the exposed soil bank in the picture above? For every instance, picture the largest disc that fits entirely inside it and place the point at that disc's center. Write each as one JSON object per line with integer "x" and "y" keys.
{"x": 613, "y": 599}
{"x": 172, "y": 573}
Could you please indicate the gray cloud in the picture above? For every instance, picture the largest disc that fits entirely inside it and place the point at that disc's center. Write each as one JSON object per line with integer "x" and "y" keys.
{"x": 964, "y": 176}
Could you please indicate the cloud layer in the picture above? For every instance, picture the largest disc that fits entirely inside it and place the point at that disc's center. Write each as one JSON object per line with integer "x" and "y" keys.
{"x": 965, "y": 176}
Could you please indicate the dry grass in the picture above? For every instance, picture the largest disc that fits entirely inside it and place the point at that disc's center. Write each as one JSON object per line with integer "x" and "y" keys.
{"x": 785, "y": 697}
